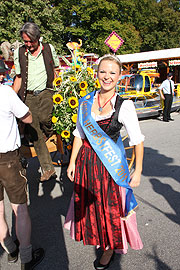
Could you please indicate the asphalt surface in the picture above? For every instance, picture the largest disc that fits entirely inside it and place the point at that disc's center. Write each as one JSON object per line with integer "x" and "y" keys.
{"x": 158, "y": 215}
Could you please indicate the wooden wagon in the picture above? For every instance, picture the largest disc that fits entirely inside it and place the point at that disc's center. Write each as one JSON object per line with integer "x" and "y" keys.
{"x": 55, "y": 146}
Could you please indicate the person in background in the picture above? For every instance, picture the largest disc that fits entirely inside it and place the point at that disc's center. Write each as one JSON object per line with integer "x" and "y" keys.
{"x": 3, "y": 70}
{"x": 35, "y": 64}
{"x": 100, "y": 208}
{"x": 4, "y": 74}
{"x": 12, "y": 178}
{"x": 167, "y": 92}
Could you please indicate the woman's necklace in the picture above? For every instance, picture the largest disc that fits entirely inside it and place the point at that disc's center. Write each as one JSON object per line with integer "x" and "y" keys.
{"x": 101, "y": 107}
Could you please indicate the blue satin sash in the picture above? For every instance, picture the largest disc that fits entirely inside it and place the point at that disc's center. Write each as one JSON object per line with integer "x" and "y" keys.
{"x": 111, "y": 154}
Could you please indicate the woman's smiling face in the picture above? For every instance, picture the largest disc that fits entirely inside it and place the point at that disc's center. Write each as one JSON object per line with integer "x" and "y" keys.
{"x": 108, "y": 75}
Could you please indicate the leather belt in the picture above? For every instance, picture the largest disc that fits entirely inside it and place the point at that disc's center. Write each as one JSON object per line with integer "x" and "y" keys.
{"x": 34, "y": 93}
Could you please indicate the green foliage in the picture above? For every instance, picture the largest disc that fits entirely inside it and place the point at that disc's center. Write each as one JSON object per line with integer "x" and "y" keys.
{"x": 158, "y": 23}
{"x": 13, "y": 14}
{"x": 143, "y": 24}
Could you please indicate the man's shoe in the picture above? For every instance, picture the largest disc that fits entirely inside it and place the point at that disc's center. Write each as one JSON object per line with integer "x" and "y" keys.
{"x": 170, "y": 119}
{"x": 165, "y": 120}
{"x": 13, "y": 257}
{"x": 37, "y": 257}
{"x": 47, "y": 175}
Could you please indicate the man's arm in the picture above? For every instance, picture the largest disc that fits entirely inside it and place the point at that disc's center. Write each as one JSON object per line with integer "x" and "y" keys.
{"x": 17, "y": 83}
{"x": 161, "y": 93}
{"x": 27, "y": 118}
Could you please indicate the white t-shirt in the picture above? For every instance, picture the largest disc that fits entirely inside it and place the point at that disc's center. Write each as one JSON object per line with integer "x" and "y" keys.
{"x": 10, "y": 107}
{"x": 127, "y": 116}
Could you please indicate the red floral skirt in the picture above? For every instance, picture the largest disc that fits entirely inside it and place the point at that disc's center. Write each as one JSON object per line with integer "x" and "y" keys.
{"x": 97, "y": 202}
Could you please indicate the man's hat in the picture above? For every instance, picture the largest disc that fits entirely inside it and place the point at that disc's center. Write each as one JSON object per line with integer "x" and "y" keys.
{"x": 170, "y": 74}
{"x": 3, "y": 66}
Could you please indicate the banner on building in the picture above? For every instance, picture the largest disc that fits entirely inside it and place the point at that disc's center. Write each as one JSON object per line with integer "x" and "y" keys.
{"x": 147, "y": 65}
{"x": 174, "y": 62}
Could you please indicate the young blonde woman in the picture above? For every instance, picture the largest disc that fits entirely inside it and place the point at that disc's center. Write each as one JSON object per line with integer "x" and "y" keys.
{"x": 101, "y": 210}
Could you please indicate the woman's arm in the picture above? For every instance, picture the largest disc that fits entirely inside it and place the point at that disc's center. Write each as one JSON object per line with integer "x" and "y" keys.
{"x": 75, "y": 150}
{"x": 136, "y": 175}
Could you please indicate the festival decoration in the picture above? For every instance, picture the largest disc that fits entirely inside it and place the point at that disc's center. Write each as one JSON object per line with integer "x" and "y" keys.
{"x": 69, "y": 87}
{"x": 114, "y": 41}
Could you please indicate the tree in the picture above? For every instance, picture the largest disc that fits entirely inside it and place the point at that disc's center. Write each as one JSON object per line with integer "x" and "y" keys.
{"x": 93, "y": 21}
{"x": 158, "y": 23}
{"x": 143, "y": 24}
{"x": 13, "y": 14}
{"x": 169, "y": 24}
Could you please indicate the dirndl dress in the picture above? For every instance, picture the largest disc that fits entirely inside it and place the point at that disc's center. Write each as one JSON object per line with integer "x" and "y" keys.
{"x": 98, "y": 203}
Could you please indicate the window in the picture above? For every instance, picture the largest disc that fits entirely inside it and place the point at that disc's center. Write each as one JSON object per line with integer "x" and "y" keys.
{"x": 147, "y": 84}
{"x": 136, "y": 82}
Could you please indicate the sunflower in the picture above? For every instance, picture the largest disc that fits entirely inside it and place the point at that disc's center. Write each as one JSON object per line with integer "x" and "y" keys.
{"x": 97, "y": 84}
{"x": 65, "y": 134}
{"x": 83, "y": 85}
{"x": 57, "y": 81}
{"x": 73, "y": 79}
{"x": 73, "y": 102}
{"x": 83, "y": 93}
{"x": 74, "y": 118}
{"x": 57, "y": 98}
{"x": 90, "y": 71}
{"x": 78, "y": 68}
{"x": 54, "y": 119}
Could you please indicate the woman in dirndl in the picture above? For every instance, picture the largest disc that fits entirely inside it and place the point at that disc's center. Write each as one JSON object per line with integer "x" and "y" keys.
{"x": 101, "y": 211}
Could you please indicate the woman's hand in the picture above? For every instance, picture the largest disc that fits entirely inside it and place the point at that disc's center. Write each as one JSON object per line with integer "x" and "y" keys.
{"x": 135, "y": 179}
{"x": 71, "y": 168}
{"x": 71, "y": 171}
{"x": 136, "y": 175}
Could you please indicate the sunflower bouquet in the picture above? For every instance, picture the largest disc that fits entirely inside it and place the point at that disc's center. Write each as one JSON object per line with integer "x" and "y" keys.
{"x": 69, "y": 87}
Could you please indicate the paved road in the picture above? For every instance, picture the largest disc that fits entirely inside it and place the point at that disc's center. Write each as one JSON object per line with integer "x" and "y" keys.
{"x": 158, "y": 214}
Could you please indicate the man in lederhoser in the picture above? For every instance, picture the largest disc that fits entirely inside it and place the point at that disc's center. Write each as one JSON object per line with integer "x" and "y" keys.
{"x": 35, "y": 64}
{"x": 13, "y": 178}
{"x": 167, "y": 92}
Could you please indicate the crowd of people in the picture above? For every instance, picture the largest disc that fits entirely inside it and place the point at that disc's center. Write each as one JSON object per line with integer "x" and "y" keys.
{"x": 102, "y": 202}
